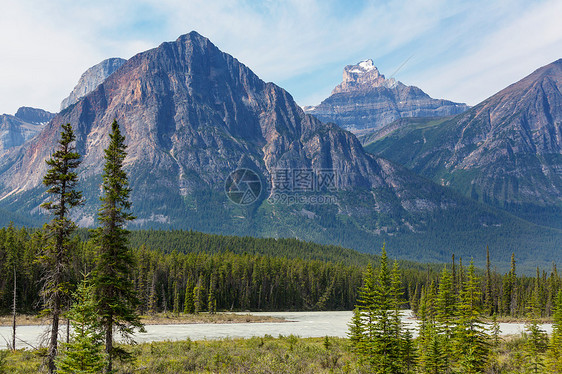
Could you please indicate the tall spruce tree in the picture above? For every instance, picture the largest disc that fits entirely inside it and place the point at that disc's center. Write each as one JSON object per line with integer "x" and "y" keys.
{"x": 61, "y": 180}
{"x": 211, "y": 299}
{"x": 446, "y": 305}
{"x": 472, "y": 340}
{"x": 537, "y": 339}
{"x": 176, "y": 308}
{"x": 376, "y": 329}
{"x": 433, "y": 357}
{"x": 115, "y": 292}
{"x": 361, "y": 329}
{"x": 387, "y": 322}
{"x": 489, "y": 303}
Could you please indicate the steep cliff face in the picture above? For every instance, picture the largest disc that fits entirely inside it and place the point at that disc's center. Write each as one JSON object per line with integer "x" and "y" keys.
{"x": 367, "y": 100}
{"x": 193, "y": 114}
{"x": 507, "y": 150}
{"x": 24, "y": 125}
{"x": 91, "y": 79}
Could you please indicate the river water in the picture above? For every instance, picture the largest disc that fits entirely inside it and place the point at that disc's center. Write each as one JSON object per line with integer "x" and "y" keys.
{"x": 303, "y": 324}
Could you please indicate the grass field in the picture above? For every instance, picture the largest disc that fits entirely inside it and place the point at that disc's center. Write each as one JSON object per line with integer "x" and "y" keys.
{"x": 284, "y": 354}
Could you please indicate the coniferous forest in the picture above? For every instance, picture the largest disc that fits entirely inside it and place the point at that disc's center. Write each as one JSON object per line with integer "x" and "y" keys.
{"x": 104, "y": 279}
{"x": 258, "y": 274}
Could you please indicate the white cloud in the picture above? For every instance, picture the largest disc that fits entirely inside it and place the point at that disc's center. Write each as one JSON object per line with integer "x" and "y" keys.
{"x": 529, "y": 41}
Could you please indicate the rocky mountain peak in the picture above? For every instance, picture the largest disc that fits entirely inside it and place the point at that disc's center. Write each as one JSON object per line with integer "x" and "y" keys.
{"x": 363, "y": 76}
{"x": 366, "y": 100}
{"x": 192, "y": 115}
{"x": 18, "y": 129}
{"x": 34, "y": 115}
{"x": 91, "y": 79}
{"x": 507, "y": 150}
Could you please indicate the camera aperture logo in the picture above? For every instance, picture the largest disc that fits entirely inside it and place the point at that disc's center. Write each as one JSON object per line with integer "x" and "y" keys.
{"x": 243, "y": 186}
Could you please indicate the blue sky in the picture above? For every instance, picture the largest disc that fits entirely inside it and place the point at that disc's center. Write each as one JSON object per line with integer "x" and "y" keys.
{"x": 459, "y": 50}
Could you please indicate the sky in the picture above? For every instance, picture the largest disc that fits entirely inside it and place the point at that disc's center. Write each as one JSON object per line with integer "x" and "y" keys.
{"x": 463, "y": 51}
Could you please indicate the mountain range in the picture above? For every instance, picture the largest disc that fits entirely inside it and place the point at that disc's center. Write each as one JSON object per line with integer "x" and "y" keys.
{"x": 505, "y": 151}
{"x": 366, "y": 100}
{"x": 193, "y": 114}
{"x": 17, "y": 129}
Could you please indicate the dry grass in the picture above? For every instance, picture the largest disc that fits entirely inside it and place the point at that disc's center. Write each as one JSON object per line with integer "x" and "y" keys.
{"x": 172, "y": 319}
{"x": 23, "y": 320}
{"x": 159, "y": 319}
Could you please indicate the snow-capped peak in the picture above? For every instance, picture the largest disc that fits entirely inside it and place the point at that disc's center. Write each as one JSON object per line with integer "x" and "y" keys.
{"x": 363, "y": 75}
{"x": 367, "y": 65}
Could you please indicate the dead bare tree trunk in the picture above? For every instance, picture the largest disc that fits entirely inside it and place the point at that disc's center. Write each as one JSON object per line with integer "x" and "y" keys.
{"x": 55, "y": 302}
{"x": 14, "y": 312}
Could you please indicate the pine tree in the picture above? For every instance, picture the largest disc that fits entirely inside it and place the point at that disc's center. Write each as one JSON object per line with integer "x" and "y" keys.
{"x": 376, "y": 328}
{"x": 408, "y": 352}
{"x": 433, "y": 357}
{"x": 555, "y": 347}
{"x": 356, "y": 334}
{"x": 488, "y": 295}
{"x": 84, "y": 353}
{"x": 188, "y": 305}
{"x": 537, "y": 340}
{"x": 366, "y": 301}
{"x": 446, "y": 305}
{"x": 513, "y": 287}
{"x": 115, "y": 292}
{"x": 415, "y": 299}
{"x": 472, "y": 340}
{"x": 496, "y": 331}
{"x": 401, "y": 344}
{"x": 176, "y": 309}
{"x": 198, "y": 297}
{"x": 152, "y": 302}
{"x": 61, "y": 180}
{"x": 211, "y": 300}
{"x": 385, "y": 346}
{"x": 434, "y": 360}
{"x": 506, "y": 295}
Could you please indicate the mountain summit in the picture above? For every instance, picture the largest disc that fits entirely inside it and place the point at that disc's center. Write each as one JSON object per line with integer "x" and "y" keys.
{"x": 193, "y": 114}
{"x": 18, "y": 129}
{"x": 91, "y": 79}
{"x": 506, "y": 150}
{"x": 367, "y": 100}
{"x": 363, "y": 77}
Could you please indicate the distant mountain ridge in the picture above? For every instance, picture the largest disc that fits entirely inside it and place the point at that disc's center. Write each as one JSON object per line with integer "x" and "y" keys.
{"x": 17, "y": 129}
{"x": 91, "y": 79}
{"x": 506, "y": 151}
{"x": 367, "y": 100}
